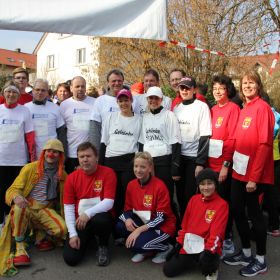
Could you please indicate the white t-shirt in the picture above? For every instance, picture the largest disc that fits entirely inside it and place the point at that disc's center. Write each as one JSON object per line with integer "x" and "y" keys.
{"x": 142, "y": 103}
{"x": 120, "y": 134}
{"x": 105, "y": 104}
{"x": 46, "y": 119}
{"x": 195, "y": 121}
{"x": 159, "y": 132}
{"x": 14, "y": 124}
{"x": 76, "y": 115}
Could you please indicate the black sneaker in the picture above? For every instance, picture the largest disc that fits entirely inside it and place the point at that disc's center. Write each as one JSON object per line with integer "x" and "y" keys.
{"x": 238, "y": 259}
{"x": 254, "y": 268}
{"x": 103, "y": 256}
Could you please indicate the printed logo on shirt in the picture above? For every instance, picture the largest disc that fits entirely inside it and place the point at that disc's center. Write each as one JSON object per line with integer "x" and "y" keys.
{"x": 148, "y": 199}
{"x": 5, "y": 121}
{"x": 122, "y": 132}
{"x": 97, "y": 186}
{"x": 219, "y": 122}
{"x": 246, "y": 123}
{"x": 184, "y": 122}
{"x": 77, "y": 111}
{"x": 209, "y": 215}
{"x": 39, "y": 116}
{"x": 153, "y": 134}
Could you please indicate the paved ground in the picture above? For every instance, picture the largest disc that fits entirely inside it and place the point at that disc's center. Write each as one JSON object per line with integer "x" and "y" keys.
{"x": 50, "y": 265}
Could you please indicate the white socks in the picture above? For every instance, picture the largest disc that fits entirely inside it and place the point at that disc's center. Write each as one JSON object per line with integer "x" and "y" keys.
{"x": 247, "y": 252}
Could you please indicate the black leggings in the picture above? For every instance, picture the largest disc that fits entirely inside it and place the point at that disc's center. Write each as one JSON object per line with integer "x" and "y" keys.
{"x": 7, "y": 177}
{"x": 240, "y": 199}
{"x": 122, "y": 165}
{"x": 186, "y": 187}
{"x": 224, "y": 190}
{"x": 101, "y": 226}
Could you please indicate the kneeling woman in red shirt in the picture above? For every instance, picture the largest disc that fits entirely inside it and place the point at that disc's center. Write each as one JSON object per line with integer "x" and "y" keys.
{"x": 203, "y": 228}
{"x": 147, "y": 222}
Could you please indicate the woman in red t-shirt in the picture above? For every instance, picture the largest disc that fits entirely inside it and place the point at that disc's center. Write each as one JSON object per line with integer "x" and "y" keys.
{"x": 224, "y": 119}
{"x": 252, "y": 173}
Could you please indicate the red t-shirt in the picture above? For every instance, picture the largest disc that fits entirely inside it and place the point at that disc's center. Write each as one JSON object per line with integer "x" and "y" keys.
{"x": 177, "y": 100}
{"x": 23, "y": 98}
{"x": 206, "y": 218}
{"x": 102, "y": 183}
{"x": 152, "y": 197}
{"x": 254, "y": 138}
{"x": 224, "y": 120}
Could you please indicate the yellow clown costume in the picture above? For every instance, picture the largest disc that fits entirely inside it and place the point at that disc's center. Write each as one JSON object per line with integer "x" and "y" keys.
{"x": 19, "y": 219}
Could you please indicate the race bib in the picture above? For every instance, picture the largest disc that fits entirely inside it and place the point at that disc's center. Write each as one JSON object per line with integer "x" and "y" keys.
{"x": 41, "y": 128}
{"x": 120, "y": 143}
{"x": 87, "y": 203}
{"x": 145, "y": 216}
{"x": 9, "y": 133}
{"x": 156, "y": 148}
{"x": 81, "y": 121}
{"x": 187, "y": 133}
{"x": 215, "y": 148}
{"x": 193, "y": 244}
{"x": 240, "y": 163}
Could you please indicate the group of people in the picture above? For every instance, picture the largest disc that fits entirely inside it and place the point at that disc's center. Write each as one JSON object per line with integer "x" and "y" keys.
{"x": 166, "y": 178}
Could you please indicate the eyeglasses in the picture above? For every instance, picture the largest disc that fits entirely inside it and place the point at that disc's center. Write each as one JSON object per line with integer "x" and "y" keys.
{"x": 219, "y": 89}
{"x": 184, "y": 88}
{"x": 20, "y": 78}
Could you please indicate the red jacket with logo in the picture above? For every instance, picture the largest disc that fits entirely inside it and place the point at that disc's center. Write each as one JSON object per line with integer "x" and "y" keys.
{"x": 254, "y": 138}
{"x": 154, "y": 197}
{"x": 206, "y": 218}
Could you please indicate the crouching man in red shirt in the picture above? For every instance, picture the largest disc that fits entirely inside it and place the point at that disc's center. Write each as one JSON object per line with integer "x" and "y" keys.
{"x": 89, "y": 195}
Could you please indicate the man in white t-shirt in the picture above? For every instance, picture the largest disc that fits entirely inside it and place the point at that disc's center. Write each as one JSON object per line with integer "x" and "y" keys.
{"x": 151, "y": 79}
{"x": 76, "y": 113}
{"x": 46, "y": 117}
{"x": 105, "y": 104}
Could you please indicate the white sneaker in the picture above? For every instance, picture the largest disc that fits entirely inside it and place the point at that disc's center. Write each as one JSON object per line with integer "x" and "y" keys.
{"x": 213, "y": 276}
{"x": 161, "y": 256}
{"x": 138, "y": 258}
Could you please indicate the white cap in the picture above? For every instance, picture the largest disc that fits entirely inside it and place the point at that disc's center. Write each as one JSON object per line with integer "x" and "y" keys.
{"x": 155, "y": 91}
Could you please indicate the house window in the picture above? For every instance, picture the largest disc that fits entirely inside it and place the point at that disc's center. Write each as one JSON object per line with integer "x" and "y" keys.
{"x": 50, "y": 61}
{"x": 81, "y": 56}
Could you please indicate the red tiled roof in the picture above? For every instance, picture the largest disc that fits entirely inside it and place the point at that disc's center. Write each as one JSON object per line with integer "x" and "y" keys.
{"x": 14, "y": 58}
{"x": 246, "y": 62}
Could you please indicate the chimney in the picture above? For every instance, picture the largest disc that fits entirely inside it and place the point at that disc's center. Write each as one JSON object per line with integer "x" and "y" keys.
{"x": 18, "y": 50}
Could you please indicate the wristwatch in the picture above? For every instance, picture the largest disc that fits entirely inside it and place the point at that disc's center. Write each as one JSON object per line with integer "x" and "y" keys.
{"x": 226, "y": 163}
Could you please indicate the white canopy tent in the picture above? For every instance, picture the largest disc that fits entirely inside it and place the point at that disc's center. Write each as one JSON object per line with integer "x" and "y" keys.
{"x": 109, "y": 18}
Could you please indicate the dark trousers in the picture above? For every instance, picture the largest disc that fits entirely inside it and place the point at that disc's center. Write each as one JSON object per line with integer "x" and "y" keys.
{"x": 180, "y": 263}
{"x": 271, "y": 203}
{"x": 101, "y": 226}
{"x": 153, "y": 240}
{"x": 7, "y": 177}
{"x": 123, "y": 168}
{"x": 71, "y": 164}
{"x": 164, "y": 173}
{"x": 186, "y": 187}
{"x": 241, "y": 200}
{"x": 224, "y": 191}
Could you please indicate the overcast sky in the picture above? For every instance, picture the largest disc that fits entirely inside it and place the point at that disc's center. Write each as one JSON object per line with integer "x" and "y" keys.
{"x": 26, "y": 41}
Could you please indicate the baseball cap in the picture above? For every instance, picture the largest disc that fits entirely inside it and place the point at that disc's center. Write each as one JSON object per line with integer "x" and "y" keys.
{"x": 155, "y": 91}
{"x": 124, "y": 92}
{"x": 188, "y": 82}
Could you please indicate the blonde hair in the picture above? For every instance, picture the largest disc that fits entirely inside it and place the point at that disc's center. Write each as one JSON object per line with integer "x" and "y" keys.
{"x": 146, "y": 156}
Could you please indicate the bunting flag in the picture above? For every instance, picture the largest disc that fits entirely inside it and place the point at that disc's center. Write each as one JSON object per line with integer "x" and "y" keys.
{"x": 187, "y": 46}
{"x": 274, "y": 62}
